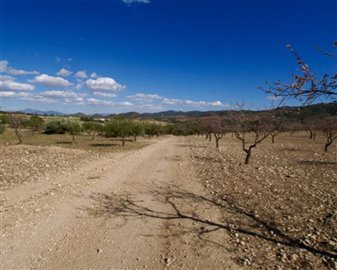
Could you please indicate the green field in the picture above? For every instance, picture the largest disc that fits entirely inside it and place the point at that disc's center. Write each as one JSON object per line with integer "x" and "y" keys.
{"x": 84, "y": 141}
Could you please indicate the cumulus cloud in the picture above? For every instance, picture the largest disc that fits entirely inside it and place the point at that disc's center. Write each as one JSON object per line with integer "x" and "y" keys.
{"x": 93, "y": 75}
{"x": 125, "y": 103}
{"x": 59, "y": 94}
{"x": 144, "y": 97}
{"x": 52, "y": 81}
{"x": 152, "y": 98}
{"x": 8, "y": 83}
{"x": 8, "y": 94}
{"x": 104, "y": 84}
{"x": 26, "y": 96}
{"x": 81, "y": 74}
{"x": 95, "y": 101}
{"x": 13, "y": 71}
{"x": 6, "y": 78}
{"x": 170, "y": 101}
{"x": 107, "y": 95}
{"x": 136, "y": 1}
{"x": 3, "y": 65}
{"x": 63, "y": 72}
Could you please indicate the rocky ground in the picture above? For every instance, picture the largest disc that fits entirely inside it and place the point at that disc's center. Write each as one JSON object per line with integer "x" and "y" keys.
{"x": 280, "y": 210}
{"x": 178, "y": 203}
{"x": 23, "y": 163}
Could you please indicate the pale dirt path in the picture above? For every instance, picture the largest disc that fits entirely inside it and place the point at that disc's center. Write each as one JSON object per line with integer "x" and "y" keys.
{"x": 83, "y": 220}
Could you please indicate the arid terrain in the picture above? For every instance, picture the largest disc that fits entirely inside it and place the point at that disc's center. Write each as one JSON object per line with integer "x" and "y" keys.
{"x": 177, "y": 203}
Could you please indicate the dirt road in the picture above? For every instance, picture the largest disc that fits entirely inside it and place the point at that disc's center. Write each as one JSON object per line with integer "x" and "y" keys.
{"x": 132, "y": 210}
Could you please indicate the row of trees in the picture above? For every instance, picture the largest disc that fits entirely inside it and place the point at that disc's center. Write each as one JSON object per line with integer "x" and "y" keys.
{"x": 117, "y": 128}
{"x": 251, "y": 130}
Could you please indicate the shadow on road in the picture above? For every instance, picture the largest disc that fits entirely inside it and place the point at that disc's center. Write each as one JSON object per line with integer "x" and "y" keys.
{"x": 183, "y": 205}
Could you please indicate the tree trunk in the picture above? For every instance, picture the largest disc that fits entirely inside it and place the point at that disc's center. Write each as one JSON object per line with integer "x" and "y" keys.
{"x": 207, "y": 136}
{"x": 311, "y": 134}
{"x": 18, "y": 135}
{"x": 217, "y": 142}
{"x": 135, "y": 138}
{"x": 210, "y": 137}
{"x": 272, "y": 138}
{"x": 123, "y": 139}
{"x": 73, "y": 137}
{"x": 327, "y": 145}
{"x": 248, "y": 155}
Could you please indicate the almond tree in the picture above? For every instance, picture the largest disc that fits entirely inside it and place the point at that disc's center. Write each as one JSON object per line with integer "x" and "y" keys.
{"x": 329, "y": 129}
{"x": 205, "y": 127}
{"x": 216, "y": 127}
{"x": 251, "y": 131}
{"x": 311, "y": 125}
{"x": 305, "y": 86}
{"x": 275, "y": 127}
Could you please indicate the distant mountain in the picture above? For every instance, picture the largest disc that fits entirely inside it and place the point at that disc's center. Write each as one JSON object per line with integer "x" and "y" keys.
{"x": 314, "y": 110}
{"x": 38, "y": 112}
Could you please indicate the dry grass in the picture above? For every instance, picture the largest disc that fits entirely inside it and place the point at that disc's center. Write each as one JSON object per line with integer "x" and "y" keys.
{"x": 83, "y": 142}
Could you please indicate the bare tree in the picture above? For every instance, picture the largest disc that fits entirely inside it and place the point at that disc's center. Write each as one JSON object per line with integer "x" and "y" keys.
{"x": 305, "y": 86}
{"x": 311, "y": 125}
{"x": 329, "y": 129}
{"x": 216, "y": 127}
{"x": 205, "y": 128}
{"x": 250, "y": 130}
{"x": 275, "y": 126}
{"x": 17, "y": 122}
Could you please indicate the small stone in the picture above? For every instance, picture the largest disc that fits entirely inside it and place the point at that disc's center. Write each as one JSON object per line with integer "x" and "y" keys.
{"x": 294, "y": 257}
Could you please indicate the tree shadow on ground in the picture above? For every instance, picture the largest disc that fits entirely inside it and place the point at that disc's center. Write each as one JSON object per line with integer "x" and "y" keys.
{"x": 317, "y": 162}
{"x": 65, "y": 142}
{"x": 178, "y": 204}
{"x": 191, "y": 145}
{"x": 104, "y": 144}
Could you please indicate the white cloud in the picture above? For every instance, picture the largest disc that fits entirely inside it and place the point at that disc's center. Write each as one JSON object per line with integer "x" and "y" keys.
{"x": 13, "y": 71}
{"x": 149, "y": 99}
{"x": 94, "y": 101}
{"x": 3, "y": 65}
{"x": 59, "y": 94}
{"x": 217, "y": 104}
{"x": 6, "y": 78}
{"x": 204, "y": 103}
{"x": 25, "y": 96}
{"x": 273, "y": 98}
{"x": 136, "y": 1}
{"x": 145, "y": 97}
{"x": 170, "y": 101}
{"x": 8, "y": 94}
{"x": 47, "y": 80}
{"x": 93, "y": 75}
{"x": 125, "y": 103}
{"x": 104, "y": 84}
{"x": 102, "y": 94}
{"x": 81, "y": 74}
{"x": 151, "y": 107}
{"x": 9, "y": 84}
{"x": 64, "y": 72}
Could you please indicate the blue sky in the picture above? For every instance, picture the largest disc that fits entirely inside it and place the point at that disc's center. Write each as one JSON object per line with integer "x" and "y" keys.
{"x": 153, "y": 55}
